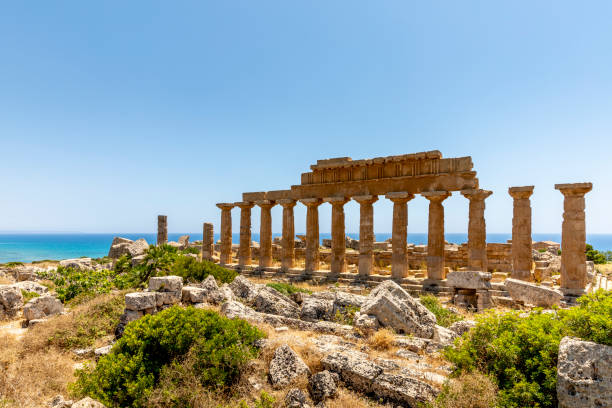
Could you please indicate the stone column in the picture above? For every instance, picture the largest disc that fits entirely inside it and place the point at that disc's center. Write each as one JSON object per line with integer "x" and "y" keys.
{"x": 366, "y": 234}
{"x": 225, "y": 258}
{"x": 522, "y": 258}
{"x": 208, "y": 241}
{"x": 312, "y": 233}
{"x": 399, "y": 233}
{"x": 288, "y": 241}
{"x": 477, "y": 229}
{"x": 435, "y": 235}
{"x": 573, "y": 238}
{"x": 338, "y": 248}
{"x": 265, "y": 233}
{"x": 244, "y": 252}
{"x": 162, "y": 229}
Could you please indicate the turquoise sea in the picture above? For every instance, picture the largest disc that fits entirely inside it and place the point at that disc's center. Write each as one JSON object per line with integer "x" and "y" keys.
{"x": 33, "y": 247}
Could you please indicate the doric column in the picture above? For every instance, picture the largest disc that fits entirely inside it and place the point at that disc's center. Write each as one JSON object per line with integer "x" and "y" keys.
{"x": 288, "y": 241}
{"x": 312, "y": 233}
{"x": 338, "y": 248}
{"x": 477, "y": 229}
{"x": 573, "y": 238}
{"x": 208, "y": 241}
{"x": 225, "y": 257}
{"x": 244, "y": 252}
{"x": 399, "y": 233}
{"x": 162, "y": 229}
{"x": 435, "y": 235}
{"x": 522, "y": 258}
{"x": 265, "y": 233}
{"x": 366, "y": 234}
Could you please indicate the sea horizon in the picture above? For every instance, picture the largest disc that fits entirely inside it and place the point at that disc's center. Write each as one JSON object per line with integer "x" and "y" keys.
{"x": 36, "y": 246}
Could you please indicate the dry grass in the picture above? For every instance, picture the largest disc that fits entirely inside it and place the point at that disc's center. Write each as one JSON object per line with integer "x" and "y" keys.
{"x": 6, "y": 281}
{"x": 604, "y": 269}
{"x": 31, "y": 379}
{"x": 382, "y": 339}
{"x": 473, "y": 390}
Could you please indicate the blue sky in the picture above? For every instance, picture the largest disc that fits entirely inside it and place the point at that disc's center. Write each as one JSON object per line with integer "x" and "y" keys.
{"x": 113, "y": 112}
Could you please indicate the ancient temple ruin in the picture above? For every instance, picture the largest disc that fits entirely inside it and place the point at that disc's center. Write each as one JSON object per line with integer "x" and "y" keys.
{"x": 398, "y": 179}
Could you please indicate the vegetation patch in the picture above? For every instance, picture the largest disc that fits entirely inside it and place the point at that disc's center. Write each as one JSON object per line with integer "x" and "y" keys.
{"x": 27, "y": 296}
{"x": 444, "y": 316}
{"x": 470, "y": 390}
{"x": 287, "y": 289}
{"x": 195, "y": 342}
{"x": 71, "y": 282}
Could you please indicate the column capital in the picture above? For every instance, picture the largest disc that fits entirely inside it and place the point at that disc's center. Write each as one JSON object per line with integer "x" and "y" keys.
{"x": 265, "y": 203}
{"x": 520, "y": 192}
{"x": 436, "y": 196}
{"x": 226, "y": 206}
{"x": 244, "y": 204}
{"x": 476, "y": 194}
{"x": 399, "y": 196}
{"x": 336, "y": 200}
{"x": 287, "y": 202}
{"x": 311, "y": 202}
{"x": 574, "y": 189}
{"x": 366, "y": 199}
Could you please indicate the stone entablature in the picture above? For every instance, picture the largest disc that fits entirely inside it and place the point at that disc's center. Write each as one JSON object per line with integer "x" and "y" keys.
{"x": 410, "y": 173}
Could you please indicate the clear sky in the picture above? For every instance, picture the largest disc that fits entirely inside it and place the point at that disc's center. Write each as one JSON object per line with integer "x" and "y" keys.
{"x": 113, "y": 112}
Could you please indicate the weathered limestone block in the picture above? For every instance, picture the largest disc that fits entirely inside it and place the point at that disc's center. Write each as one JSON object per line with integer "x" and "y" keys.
{"x": 41, "y": 307}
{"x": 30, "y": 286}
{"x": 295, "y": 398}
{"x": 365, "y": 322}
{"x": 584, "y": 374}
{"x": 139, "y": 301}
{"x": 394, "y": 307}
{"x": 404, "y": 389}
{"x": 444, "y": 336}
{"x": 269, "y": 300}
{"x": 532, "y": 294}
{"x": 77, "y": 263}
{"x": 87, "y": 403}
{"x": 237, "y": 310}
{"x": 314, "y": 309}
{"x": 462, "y": 326}
{"x": 167, "y": 298}
{"x": 244, "y": 288}
{"x": 286, "y": 367}
{"x": 183, "y": 241}
{"x": 323, "y": 385}
{"x": 469, "y": 280}
{"x": 166, "y": 283}
{"x": 11, "y": 300}
{"x": 356, "y": 372}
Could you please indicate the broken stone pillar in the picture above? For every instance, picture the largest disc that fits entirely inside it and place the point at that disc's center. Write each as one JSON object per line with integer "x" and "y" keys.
{"x": 477, "y": 230}
{"x": 366, "y": 234}
{"x": 162, "y": 229}
{"x": 573, "y": 238}
{"x": 265, "y": 233}
{"x": 312, "y": 233}
{"x": 225, "y": 258}
{"x": 244, "y": 252}
{"x": 208, "y": 241}
{"x": 522, "y": 257}
{"x": 435, "y": 235}
{"x": 338, "y": 244}
{"x": 399, "y": 262}
{"x": 288, "y": 240}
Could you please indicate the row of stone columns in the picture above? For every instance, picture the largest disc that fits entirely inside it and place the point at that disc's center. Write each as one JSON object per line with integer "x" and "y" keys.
{"x": 435, "y": 260}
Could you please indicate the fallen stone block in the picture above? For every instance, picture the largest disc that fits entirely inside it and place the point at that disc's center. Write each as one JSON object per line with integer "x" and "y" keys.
{"x": 356, "y": 372}
{"x": 314, "y": 309}
{"x": 269, "y": 300}
{"x": 403, "y": 389}
{"x": 41, "y": 307}
{"x": 140, "y": 301}
{"x": 166, "y": 283}
{"x": 532, "y": 294}
{"x": 286, "y": 367}
{"x": 469, "y": 280}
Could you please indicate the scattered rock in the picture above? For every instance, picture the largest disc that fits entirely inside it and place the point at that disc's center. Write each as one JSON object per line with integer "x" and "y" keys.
{"x": 532, "y": 294}
{"x": 444, "y": 336}
{"x": 30, "y": 286}
{"x": 123, "y": 246}
{"x": 323, "y": 385}
{"x": 88, "y": 403}
{"x": 296, "y": 398}
{"x": 183, "y": 241}
{"x": 244, "y": 288}
{"x": 314, "y": 309}
{"x": 269, "y": 300}
{"x": 286, "y": 367}
{"x": 357, "y": 372}
{"x": 365, "y": 322}
{"x": 60, "y": 402}
{"x": 77, "y": 263}
{"x": 394, "y": 307}
{"x": 41, "y": 307}
{"x": 166, "y": 284}
{"x": 141, "y": 301}
{"x": 584, "y": 374}
{"x": 404, "y": 389}
{"x": 102, "y": 351}
{"x": 462, "y": 326}
{"x": 11, "y": 300}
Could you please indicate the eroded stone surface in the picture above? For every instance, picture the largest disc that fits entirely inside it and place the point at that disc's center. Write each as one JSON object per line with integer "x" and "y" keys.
{"x": 532, "y": 294}
{"x": 41, "y": 307}
{"x": 286, "y": 367}
{"x": 469, "y": 280}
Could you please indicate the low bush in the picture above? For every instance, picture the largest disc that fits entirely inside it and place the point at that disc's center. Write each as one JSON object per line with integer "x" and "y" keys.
{"x": 190, "y": 250}
{"x": 444, "y": 316}
{"x": 594, "y": 255}
{"x": 191, "y": 340}
{"x": 12, "y": 264}
{"x": 520, "y": 353}
{"x": 71, "y": 282}
{"x": 27, "y": 296}
{"x": 287, "y": 289}
{"x": 346, "y": 315}
{"x": 191, "y": 269}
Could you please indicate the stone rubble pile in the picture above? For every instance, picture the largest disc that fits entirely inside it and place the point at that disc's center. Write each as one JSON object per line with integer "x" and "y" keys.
{"x": 123, "y": 246}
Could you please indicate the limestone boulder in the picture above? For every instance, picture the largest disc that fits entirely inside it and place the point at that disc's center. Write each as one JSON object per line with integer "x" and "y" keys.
{"x": 167, "y": 298}
{"x": 286, "y": 367}
{"x": 166, "y": 283}
{"x": 88, "y": 403}
{"x": 444, "y": 336}
{"x": 584, "y": 374}
{"x": 532, "y": 294}
{"x": 404, "y": 389}
{"x": 344, "y": 301}
{"x": 244, "y": 288}
{"x": 183, "y": 241}
{"x": 469, "y": 279}
{"x": 295, "y": 398}
{"x": 314, "y": 309}
{"x": 123, "y": 246}
{"x": 365, "y": 322}
{"x": 462, "y": 326}
{"x": 323, "y": 385}
{"x": 30, "y": 286}
{"x": 237, "y": 310}
{"x": 77, "y": 263}
{"x": 141, "y": 301}
{"x": 59, "y": 402}
{"x": 138, "y": 247}
{"x": 41, "y": 307}
{"x": 269, "y": 300}
{"x": 395, "y": 308}
{"x": 11, "y": 300}
{"x": 354, "y": 370}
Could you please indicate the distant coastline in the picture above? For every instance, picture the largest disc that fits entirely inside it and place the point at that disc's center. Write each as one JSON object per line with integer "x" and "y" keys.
{"x": 28, "y": 247}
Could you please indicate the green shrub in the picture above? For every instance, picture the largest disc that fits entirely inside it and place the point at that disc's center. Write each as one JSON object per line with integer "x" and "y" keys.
{"x": 592, "y": 318}
{"x": 470, "y": 390}
{"x": 444, "y": 316}
{"x": 190, "y": 250}
{"x": 70, "y": 282}
{"x": 594, "y": 255}
{"x": 27, "y": 296}
{"x": 346, "y": 315}
{"x": 12, "y": 264}
{"x": 190, "y": 269}
{"x": 287, "y": 289}
{"x": 211, "y": 345}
